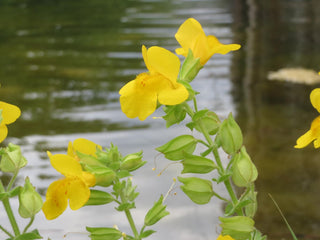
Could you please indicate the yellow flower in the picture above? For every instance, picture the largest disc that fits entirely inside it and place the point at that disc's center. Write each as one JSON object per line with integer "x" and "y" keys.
{"x": 225, "y": 237}
{"x": 74, "y": 187}
{"x": 84, "y": 146}
{"x": 9, "y": 114}
{"x": 190, "y": 35}
{"x": 139, "y": 97}
{"x": 314, "y": 132}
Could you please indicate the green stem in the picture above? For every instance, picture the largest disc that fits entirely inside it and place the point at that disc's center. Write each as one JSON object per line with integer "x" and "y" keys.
{"x": 129, "y": 217}
{"x": 6, "y": 232}
{"x": 29, "y": 224}
{"x": 12, "y": 180}
{"x": 11, "y": 217}
{"x": 215, "y": 152}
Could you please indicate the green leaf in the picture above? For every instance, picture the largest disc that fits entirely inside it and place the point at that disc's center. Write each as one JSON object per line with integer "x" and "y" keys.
{"x": 29, "y": 236}
{"x": 197, "y": 164}
{"x": 104, "y": 233}
{"x": 125, "y": 206}
{"x": 147, "y": 233}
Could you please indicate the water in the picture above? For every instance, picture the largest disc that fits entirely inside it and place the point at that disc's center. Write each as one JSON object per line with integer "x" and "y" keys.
{"x": 63, "y": 62}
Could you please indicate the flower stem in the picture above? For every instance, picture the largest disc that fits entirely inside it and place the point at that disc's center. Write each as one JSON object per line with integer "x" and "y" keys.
{"x": 12, "y": 180}
{"x": 11, "y": 217}
{"x": 29, "y": 224}
{"x": 215, "y": 152}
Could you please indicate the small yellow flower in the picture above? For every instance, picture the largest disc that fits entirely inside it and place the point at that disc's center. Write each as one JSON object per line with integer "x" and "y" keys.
{"x": 139, "y": 97}
{"x": 225, "y": 237}
{"x": 9, "y": 114}
{"x": 74, "y": 187}
{"x": 84, "y": 146}
{"x": 190, "y": 35}
{"x": 314, "y": 133}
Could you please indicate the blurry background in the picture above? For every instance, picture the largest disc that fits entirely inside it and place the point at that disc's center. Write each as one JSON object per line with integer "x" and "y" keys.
{"x": 63, "y": 62}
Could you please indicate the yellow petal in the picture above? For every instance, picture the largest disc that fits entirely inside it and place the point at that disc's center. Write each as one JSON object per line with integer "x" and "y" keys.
{"x": 65, "y": 165}
{"x": 71, "y": 151}
{"x": 85, "y": 146}
{"x": 312, "y": 134}
{"x": 172, "y": 96}
{"x": 225, "y": 237}
{"x": 187, "y": 32}
{"x": 78, "y": 193}
{"x": 56, "y": 200}
{"x": 89, "y": 179}
{"x": 10, "y": 112}
{"x": 139, "y": 97}
{"x": 163, "y": 62}
{"x": 3, "y": 132}
{"x": 315, "y": 98}
{"x": 217, "y": 47}
{"x": 146, "y": 60}
{"x": 304, "y": 140}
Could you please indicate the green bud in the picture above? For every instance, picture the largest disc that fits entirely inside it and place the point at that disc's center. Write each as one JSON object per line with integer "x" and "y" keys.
{"x": 111, "y": 157}
{"x": 197, "y": 164}
{"x": 177, "y": 147}
{"x": 12, "y": 159}
{"x": 190, "y": 67}
{"x": 157, "y": 212}
{"x": 132, "y": 162}
{"x": 244, "y": 171}
{"x": 89, "y": 160}
{"x": 104, "y": 233}
{"x": 238, "y": 227}
{"x": 30, "y": 202}
{"x": 174, "y": 114}
{"x": 197, "y": 189}
{"x": 98, "y": 197}
{"x": 205, "y": 119}
{"x": 104, "y": 175}
{"x": 251, "y": 208}
{"x": 230, "y": 135}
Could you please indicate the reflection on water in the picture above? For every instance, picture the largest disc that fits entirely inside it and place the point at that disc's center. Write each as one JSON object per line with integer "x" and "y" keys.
{"x": 63, "y": 62}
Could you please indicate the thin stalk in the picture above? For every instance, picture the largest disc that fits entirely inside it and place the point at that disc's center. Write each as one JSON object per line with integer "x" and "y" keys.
{"x": 6, "y": 232}
{"x": 29, "y": 224}
{"x": 12, "y": 180}
{"x": 130, "y": 218}
{"x": 215, "y": 152}
{"x": 11, "y": 217}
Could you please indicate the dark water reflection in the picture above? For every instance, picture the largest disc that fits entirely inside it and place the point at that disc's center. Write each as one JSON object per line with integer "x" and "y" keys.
{"x": 63, "y": 62}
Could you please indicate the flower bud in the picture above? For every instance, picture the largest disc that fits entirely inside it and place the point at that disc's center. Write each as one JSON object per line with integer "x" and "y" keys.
{"x": 197, "y": 164}
{"x": 175, "y": 149}
{"x": 244, "y": 171}
{"x": 12, "y": 159}
{"x": 104, "y": 233}
{"x": 208, "y": 120}
{"x": 98, "y": 197}
{"x": 230, "y": 135}
{"x": 104, "y": 176}
{"x": 132, "y": 162}
{"x": 197, "y": 189}
{"x": 238, "y": 227}
{"x": 30, "y": 201}
{"x": 157, "y": 212}
{"x": 251, "y": 208}
{"x": 190, "y": 67}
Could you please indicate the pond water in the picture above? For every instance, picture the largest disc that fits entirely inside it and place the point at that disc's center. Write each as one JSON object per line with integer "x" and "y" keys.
{"x": 63, "y": 62}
